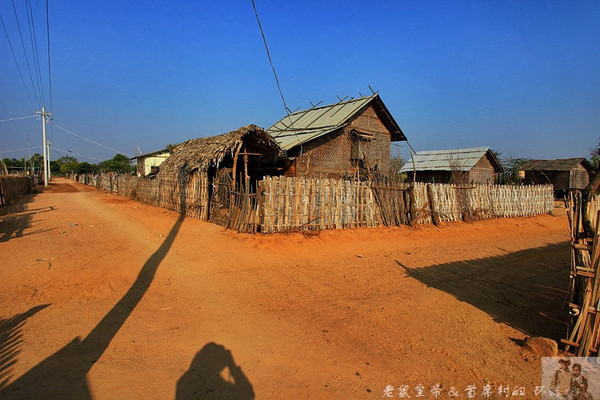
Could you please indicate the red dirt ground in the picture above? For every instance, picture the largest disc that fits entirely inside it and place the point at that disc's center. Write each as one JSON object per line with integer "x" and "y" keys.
{"x": 106, "y": 298}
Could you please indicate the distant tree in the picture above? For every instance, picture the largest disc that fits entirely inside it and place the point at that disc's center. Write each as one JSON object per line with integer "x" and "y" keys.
{"x": 69, "y": 167}
{"x": 64, "y": 164}
{"x": 65, "y": 159}
{"x": 13, "y": 162}
{"x": 511, "y": 166}
{"x": 171, "y": 146}
{"x": 119, "y": 163}
{"x": 396, "y": 164}
{"x": 37, "y": 160}
{"x": 595, "y": 156}
{"x": 86, "y": 168}
{"x": 54, "y": 167}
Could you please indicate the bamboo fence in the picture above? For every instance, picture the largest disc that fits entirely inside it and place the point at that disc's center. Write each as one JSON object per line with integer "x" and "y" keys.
{"x": 185, "y": 194}
{"x": 284, "y": 204}
{"x": 444, "y": 202}
{"x": 290, "y": 204}
{"x": 585, "y": 281}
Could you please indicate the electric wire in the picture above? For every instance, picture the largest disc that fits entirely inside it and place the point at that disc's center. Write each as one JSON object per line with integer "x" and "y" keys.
{"x": 14, "y": 119}
{"x": 16, "y": 63}
{"x": 89, "y": 140}
{"x": 77, "y": 154}
{"x": 16, "y": 150}
{"x": 37, "y": 96}
{"x": 34, "y": 48}
{"x": 49, "y": 69}
{"x": 287, "y": 110}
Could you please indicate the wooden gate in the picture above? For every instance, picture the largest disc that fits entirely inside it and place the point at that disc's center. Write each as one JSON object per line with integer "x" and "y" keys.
{"x": 221, "y": 197}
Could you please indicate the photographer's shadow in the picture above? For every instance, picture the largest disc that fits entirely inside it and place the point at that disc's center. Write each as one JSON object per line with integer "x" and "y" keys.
{"x": 214, "y": 375}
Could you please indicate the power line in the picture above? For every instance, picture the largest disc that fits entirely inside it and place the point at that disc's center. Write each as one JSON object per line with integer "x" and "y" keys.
{"x": 14, "y": 119}
{"x": 77, "y": 154}
{"x": 16, "y": 150}
{"x": 16, "y": 63}
{"x": 25, "y": 53}
{"x": 49, "y": 69}
{"x": 34, "y": 48}
{"x": 89, "y": 140}
{"x": 287, "y": 110}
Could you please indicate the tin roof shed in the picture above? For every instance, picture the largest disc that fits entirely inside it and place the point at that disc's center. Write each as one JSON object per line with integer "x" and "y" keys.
{"x": 448, "y": 160}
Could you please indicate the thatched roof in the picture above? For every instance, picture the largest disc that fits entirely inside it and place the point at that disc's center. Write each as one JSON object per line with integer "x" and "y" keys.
{"x": 202, "y": 153}
{"x": 564, "y": 164}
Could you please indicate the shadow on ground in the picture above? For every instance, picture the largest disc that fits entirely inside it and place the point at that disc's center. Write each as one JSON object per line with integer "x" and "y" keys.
{"x": 213, "y": 374}
{"x": 524, "y": 289}
{"x": 16, "y": 218}
{"x": 63, "y": 374}
{"x": 11, "y": 339}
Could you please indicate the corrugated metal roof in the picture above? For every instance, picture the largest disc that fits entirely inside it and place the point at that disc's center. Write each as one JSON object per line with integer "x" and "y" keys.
{"x": 564, "y": 164}
{"x": 445, "y": 160}
{"x": 302, "y": 126}
{"x": 151, "y": 153}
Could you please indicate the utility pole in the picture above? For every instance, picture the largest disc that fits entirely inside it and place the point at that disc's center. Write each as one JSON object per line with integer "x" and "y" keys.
{"x": 48, "y": 160}
{"x": 45, "y": 114}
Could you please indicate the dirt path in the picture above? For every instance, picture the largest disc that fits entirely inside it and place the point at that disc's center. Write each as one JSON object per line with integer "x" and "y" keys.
{"x": 104, "y": 298}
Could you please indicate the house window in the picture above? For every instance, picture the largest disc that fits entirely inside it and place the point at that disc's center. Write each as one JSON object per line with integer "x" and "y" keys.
{"x": 358, "y": 144}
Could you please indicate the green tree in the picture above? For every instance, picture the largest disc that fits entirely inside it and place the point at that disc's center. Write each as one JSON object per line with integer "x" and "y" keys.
{"x": 69, "y": 167}
{"x": 86, "y": 168}
{"x": 512, "y": 166}
{"x": 37, "y": 160}
{"x": 396, "y": 164}
{"x": 595, "y": 157}
{"x": 54, "y": 167}
{"x": 171, "y": 146}
{"x": 64, "y": 164}
{"x": 119, "y": 163}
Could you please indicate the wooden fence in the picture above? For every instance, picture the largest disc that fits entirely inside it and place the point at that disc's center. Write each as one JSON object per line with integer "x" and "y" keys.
{"x": 468, "y": 202}
{"x": 583, "y": 335}
{"x": 312, "y": 204}
{"x": 11, "y": 187}
{"x": 284, "y": 204}
{"x": 185, "y": 194}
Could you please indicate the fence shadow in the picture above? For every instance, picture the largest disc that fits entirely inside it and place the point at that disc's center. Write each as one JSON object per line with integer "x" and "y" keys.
{"x": 11, "y": 339}
{"x": 525, "y": 289}
{"x": 213, "y": 374}
{"x": 16, "y": 218}
{"x": 63, "y": 375}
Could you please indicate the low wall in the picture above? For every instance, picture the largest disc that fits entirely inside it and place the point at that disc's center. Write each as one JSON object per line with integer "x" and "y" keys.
{"x": 11, "y": 187}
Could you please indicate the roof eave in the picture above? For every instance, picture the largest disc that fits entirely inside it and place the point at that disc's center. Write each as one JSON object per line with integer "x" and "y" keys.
{"x": 396, "y": 134}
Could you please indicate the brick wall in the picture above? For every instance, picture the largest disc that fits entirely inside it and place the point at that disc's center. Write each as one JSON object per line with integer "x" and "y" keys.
{"x": 331, "y": 156}
{"x": 482, "y": 172}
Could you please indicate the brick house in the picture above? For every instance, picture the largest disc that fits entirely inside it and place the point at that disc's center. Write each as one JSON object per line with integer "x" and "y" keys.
{"x": 337, "y": 140}
{"x": 472, "y": 165}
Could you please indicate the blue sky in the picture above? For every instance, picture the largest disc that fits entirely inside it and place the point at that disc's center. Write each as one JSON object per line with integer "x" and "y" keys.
{"x": 522, "y": 77}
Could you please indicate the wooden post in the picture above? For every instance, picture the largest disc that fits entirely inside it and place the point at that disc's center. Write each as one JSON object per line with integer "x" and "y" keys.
{"x": 434, "y": 217}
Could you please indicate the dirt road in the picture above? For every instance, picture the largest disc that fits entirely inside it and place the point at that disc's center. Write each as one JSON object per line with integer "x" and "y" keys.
{"x": 105, "y": 298}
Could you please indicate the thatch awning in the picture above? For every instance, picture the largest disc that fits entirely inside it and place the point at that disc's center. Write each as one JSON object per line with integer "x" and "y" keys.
{"x": 202, "y": 153}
